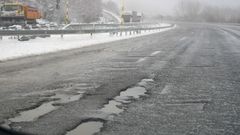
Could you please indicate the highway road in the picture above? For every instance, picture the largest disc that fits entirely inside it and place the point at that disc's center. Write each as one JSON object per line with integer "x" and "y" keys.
{"x": 189, "y": 78}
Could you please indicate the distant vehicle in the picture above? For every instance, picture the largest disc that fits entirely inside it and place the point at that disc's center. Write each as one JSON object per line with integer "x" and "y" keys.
{"x": 132, "y": 16}
{"x": 18, "y": 14}
{"x": 24, "y": 38}
{"x": 45, "y": 24}
{"x": 15, "y": 27}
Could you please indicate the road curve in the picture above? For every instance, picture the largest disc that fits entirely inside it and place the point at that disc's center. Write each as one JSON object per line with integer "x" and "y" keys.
{"x": 195, "y": 88}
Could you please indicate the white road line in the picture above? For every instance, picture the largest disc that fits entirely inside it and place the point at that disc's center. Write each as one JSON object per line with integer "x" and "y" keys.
{"x": 183, "y": 38}
{"x": 155, "y": 53}
{"x": 167, "y": 89}
{"x": 144, "y": 58}
{"x": 141, "y": 60}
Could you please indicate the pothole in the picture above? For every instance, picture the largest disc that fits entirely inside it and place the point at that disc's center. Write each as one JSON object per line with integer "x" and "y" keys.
{"x": 67, "y": 98}
{"x": 87, "y": 128}
{"x": 31, "y": 115}
{"x": 45, "y": 108}
{"x": 114, "y": 107}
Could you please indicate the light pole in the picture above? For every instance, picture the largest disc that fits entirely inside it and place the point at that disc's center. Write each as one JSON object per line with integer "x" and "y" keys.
{"x": 66, "y": 11}
{"x": 122, "y": 10}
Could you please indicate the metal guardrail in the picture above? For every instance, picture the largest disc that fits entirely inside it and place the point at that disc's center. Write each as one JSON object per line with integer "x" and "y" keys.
{"x": 86, "y": 29}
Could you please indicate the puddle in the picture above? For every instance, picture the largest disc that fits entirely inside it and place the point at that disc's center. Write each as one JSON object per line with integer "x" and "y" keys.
{"x": 145, "y": 82}
{"x": 67, "y": 98}
{"x": 34, "y": 114}
{"x": 87, "y": 128}
{"x": 114, "y": 106}
{"x": 134, "y": 92}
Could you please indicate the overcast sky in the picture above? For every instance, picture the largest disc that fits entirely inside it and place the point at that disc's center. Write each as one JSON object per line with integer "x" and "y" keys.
{"x": 152, "y": 7}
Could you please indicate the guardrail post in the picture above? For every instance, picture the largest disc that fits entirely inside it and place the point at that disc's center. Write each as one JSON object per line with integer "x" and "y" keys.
{"x": 115, "y": 29}
{"x": 94, "y": 30}
{"x": 91, "y": 34}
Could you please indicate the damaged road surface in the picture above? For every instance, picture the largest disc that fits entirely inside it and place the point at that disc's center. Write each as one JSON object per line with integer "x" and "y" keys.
{"x": 185, "y": 81}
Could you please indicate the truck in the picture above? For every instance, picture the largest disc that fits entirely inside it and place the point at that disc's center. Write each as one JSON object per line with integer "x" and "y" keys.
{"x": 18, "y": 14}
{"x": 132, "y": 16}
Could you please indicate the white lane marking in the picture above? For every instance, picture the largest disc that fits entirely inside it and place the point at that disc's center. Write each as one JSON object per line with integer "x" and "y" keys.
{"x": 151, "y": 55}
{"x": 155, "y": 53}
{"x": 183, "y": 38}
{"x": 141, "y": 60}
{"x": 167, "y": 89}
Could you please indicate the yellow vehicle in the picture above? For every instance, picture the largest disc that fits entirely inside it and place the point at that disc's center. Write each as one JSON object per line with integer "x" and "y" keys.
{"x": 17, "y": 13}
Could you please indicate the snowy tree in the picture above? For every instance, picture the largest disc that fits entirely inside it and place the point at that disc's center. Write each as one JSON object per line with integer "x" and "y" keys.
{"x": 79, "y": 10}
{"x": 85, "y": 10}
{"x": 112, "y": 6}
{"x": 189, "y": 9}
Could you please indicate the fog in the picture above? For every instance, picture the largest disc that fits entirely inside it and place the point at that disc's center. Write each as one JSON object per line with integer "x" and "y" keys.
{"x": 167, "y": 7}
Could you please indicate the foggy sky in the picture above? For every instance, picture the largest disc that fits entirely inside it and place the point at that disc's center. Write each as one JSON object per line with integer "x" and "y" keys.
{"x": 166, "y": 7}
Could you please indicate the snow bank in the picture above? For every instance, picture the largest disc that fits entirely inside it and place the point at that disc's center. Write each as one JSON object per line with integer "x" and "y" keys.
{"x": 12, "y": 49}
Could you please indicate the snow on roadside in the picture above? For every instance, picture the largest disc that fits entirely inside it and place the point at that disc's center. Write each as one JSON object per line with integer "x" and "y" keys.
{"x": 12, "y": 49}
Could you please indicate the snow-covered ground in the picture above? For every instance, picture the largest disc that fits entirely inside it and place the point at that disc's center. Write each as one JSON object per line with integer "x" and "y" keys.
{"x": 12, "y": 49}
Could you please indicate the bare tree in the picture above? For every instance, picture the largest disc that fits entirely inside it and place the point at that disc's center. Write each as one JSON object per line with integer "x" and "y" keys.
{"x": 85, "y": 10}
{"x": 189, "y": 9}
{"x": 193, "y": 10}
{"x": 112, "y": 6}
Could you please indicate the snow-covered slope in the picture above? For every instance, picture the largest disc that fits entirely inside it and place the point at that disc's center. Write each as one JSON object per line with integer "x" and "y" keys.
{"x": 11, "y": 48}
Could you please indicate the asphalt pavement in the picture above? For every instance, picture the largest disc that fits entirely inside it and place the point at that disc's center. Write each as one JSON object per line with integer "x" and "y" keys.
{"x": 194, "y": 89}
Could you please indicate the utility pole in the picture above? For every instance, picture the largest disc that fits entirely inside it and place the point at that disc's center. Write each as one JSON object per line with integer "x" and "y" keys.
{"x": 122, "y": 10}
{"x": 66, "y": 11}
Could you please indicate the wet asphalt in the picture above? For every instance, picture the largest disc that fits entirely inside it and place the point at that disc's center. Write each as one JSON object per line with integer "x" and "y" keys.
{"x": 195, "y": 70}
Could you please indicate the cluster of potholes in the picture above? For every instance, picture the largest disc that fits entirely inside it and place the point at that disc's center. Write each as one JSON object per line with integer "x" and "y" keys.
{"x": 93, "y": 125}
{"x": 113, "y": 108}
{"x": 55, "y": 99}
